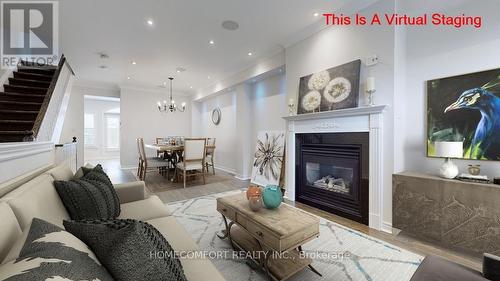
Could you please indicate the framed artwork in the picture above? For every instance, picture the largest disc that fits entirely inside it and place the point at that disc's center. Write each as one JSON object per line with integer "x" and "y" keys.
{"x": 466, "y": 108}
{"x": 268, "y": 158}
{"x": 331, "y": 89}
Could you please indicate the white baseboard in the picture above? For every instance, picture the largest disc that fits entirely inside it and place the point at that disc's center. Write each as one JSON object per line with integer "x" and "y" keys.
{"x": 387, "y": 227}
{"x": 128, "y": 167}
{"x": 225, "y": 169}
{"x": 242, "y": 178}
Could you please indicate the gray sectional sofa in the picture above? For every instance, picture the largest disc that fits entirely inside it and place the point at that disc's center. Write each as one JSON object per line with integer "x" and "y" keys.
{"x": 34, "y": 195}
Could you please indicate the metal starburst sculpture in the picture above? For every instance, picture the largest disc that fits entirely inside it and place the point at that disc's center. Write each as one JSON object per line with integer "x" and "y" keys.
{"x": 268, "y": 157}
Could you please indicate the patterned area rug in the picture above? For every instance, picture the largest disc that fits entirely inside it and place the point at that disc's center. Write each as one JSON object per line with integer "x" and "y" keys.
{"x": 339, "y": 253}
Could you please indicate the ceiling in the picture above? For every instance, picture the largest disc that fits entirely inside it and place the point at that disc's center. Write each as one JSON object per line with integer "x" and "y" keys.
{"x": 179, "y": 37}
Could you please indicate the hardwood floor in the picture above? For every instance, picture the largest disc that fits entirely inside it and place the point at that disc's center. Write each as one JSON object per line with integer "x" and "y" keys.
{"x": 401, "y": 239}
{"x": 171, "y": 191}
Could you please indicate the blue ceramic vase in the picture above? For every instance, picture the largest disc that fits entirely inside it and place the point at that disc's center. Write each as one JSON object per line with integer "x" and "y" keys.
{"x": 272, "y": 197}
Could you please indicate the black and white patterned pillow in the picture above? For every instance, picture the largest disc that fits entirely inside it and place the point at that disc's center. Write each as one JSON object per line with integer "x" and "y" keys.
{"x": 129, "y": 249}
{"x": 51, "y": 253}
{"x": 90, "y": 197}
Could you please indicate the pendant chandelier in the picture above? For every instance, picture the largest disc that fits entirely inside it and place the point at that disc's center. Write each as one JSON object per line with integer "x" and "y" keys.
{"x": 171, "y": 106}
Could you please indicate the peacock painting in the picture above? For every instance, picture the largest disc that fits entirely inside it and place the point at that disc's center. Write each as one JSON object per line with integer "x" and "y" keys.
{"x": 466, "y": 108}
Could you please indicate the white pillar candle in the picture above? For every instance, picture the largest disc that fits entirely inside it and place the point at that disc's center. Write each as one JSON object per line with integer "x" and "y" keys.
{"x": 370, "y": 83}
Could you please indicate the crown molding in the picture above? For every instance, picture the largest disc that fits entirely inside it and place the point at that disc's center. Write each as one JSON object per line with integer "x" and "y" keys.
{"x": 152, "y": 90}
{"x": 97, "y": 85}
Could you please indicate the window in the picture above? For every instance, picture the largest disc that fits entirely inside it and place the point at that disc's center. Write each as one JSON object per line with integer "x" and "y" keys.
{"x": 112, "y": 133}
{"x": 89, "y": 130}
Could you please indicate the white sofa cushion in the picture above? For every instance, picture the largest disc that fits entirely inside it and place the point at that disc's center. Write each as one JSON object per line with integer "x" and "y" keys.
{"x": 16, "y": 247}
{"x": 39, "y": 199}
{"x": 195, "y": 269}
{"x": 143, "y": 210}
{"x": 9, "y": 229}
{"x": 61, "y": 173}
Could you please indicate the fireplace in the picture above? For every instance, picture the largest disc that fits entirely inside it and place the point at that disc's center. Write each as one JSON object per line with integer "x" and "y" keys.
{"x": 332, "y": 173}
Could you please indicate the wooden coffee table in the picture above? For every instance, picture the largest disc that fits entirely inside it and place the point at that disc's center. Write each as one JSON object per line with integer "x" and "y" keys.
{"x": 273, "y": 237}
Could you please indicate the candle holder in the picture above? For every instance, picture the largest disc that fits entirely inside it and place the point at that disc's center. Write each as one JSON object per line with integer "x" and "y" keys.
{"x": 291, "y": 109}
{"x": 370, "y": 97}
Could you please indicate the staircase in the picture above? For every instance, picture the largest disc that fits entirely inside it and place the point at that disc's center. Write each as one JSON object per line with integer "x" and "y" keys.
{"x": 21, "y": 101}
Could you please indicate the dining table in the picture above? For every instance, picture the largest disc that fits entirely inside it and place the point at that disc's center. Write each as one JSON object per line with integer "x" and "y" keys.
{"x": 175, "y": 150}
{"x": 171, "y": 147}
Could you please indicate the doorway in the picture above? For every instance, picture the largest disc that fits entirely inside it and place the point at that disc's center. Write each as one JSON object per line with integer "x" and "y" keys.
{"x": 101, "y": 129}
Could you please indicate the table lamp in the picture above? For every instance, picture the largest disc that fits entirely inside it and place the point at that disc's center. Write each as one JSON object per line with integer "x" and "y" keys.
{"x": 448, "y": 150}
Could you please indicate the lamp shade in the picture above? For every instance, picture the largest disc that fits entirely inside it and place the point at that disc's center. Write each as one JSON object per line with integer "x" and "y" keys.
{"x": 449, "y": 149}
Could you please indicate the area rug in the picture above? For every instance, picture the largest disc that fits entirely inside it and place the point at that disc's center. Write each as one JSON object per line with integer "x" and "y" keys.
{"x": 339, "y": 253}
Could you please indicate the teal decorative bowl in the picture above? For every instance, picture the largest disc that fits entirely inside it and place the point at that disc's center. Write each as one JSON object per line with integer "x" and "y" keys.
{"x": 272, "y": 197}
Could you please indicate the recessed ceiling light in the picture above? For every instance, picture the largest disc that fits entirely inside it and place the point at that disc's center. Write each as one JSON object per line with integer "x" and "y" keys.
{"x": 164, "y": 83}
{"x": 103, "y": 55}
{"x": 250, "y": 53}
{"x": 150, "y": 22}
{"x": 211, "y": 42}
{"x": 128, "y": 78}
{"x": 208, "y": 77}
{"x": 134, "y": 63}
{"x": 190, "y": 87}
{"x": 230, "y": 25}
{"x": 316, "y": 14}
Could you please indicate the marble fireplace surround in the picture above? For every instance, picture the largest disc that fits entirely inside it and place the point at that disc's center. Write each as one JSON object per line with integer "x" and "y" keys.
{"x": 360, "y": 119}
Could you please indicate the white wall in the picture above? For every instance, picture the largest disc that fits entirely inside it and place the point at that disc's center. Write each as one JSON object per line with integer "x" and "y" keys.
{"x": 140, "y": 118}
{"x": 338, "y": 45}
{"x": 440, "y": 52}
{"x": 267, "y": 99}
{"x": 98, "y": 108}
{"x": 73, "y": 123}
{"x": 225, "y": 132}
{"x": 247, "y": 109}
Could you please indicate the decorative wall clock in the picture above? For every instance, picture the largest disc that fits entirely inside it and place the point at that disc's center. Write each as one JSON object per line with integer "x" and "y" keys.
{"x": 216, "y": 116}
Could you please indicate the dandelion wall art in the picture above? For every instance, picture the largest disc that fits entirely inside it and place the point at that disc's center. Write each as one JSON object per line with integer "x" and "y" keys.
{"x": 334, "y": 88}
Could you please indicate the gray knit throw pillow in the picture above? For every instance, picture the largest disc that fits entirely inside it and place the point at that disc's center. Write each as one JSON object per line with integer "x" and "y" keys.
{"x": 89, "y": 197}
{"x": 51, "y": 253}
{"x": 129, "y": 249}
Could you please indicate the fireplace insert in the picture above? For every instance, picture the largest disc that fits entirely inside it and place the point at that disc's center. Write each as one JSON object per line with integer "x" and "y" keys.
{"x": 332, "y": 173}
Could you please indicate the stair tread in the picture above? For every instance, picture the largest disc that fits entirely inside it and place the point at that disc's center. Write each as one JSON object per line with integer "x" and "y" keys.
{"x": 33, "y": 74}
{"x": 29, "y": 81}
{"x": 26, "y": 87}
{"x": 17, "y": 121}
{"x": 16, "y": 111}
{"x": 43, "y": 69}
{"x": 22, "y": 94}
{"x": 20, "y": 102}
{"x": 26, "y": 132}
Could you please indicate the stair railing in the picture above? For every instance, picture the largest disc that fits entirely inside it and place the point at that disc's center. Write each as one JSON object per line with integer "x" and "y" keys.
{"x": 48, "y": 96}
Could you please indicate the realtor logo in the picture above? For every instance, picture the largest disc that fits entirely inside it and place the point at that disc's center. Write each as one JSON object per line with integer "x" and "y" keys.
{"x": 29, "y": 32}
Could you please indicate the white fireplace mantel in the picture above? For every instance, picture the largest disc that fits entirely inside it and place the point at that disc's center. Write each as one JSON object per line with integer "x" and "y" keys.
{"x": 359, "y": 119}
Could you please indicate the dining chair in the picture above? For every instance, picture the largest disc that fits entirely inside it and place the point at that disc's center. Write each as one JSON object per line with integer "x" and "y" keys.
{"x": 193, "y": 159}
{"x": 209, "y": 157}
{"x": 159, "y": 141}
{"x": 146, "y": 163}
{"x": 167, "y": 155}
